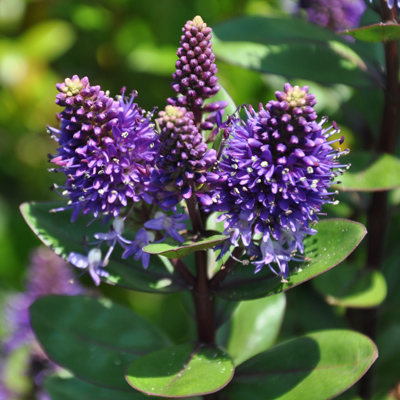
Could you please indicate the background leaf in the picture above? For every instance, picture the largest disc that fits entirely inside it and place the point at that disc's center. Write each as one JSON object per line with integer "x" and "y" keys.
{"x": 56, "y": 231}
{"x": 350, "y": 286}
{"x": 95, "y": 339}
{"x": 271, "y": 44}
{"x": 179, "y": 371}
{"x": 317, "y": 366}
{"x": 43, "y": 40}
{"x": 370, "y": 172}
{"x": 335, "y": 240}
{"x": 254, "y": 326}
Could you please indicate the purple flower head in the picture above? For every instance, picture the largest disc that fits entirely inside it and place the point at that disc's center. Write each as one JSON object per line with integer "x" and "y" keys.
{"x": 278, "y": 166}
{"x": 106, "y": 149}
{"x": 92, "y": 262}
{"x": 183, "y": 160}
{"x": 194, "y": 78}
{"x": 337, "y": 15}
{"x": 168, "y": 223}
{"x": 142, "y": 239}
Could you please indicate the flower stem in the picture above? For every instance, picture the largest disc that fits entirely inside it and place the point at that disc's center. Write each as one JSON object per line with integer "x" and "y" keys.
{"x": 204, "y": 302}
{"x": 377, "y": 215}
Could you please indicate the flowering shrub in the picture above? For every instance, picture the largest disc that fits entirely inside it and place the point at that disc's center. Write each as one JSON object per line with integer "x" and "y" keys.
{"x": 224, "y": 205}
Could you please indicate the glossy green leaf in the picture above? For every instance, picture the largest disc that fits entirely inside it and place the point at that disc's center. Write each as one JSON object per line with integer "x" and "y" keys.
{"x": 317, "y": 366}
{"x": 255, "y": 325}
{"x": 369, "y": 172}
{"x": 93, "y": 338}
{"x": 48, "y": 40}
{"x": 183, "y": 250}
{"x": 56, "y": 231}
{"x": 335, "y": 240}
{"x": 271, "y": 44}
{"x": 382, "y": 32}
{"x": 75, "y": 389}
{"x": 349, "y": 286}
{"x": 179, "y": 371}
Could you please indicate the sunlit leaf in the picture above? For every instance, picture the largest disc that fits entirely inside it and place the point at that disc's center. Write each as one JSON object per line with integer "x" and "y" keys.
{"x": 335, "y": 240}
{"x": 350, "y": 286}
{"x": 179, "y": 371}
{"x": 317, "y": 366}
{"x": 254, "y": 326}
{"x": 370, "y": 172}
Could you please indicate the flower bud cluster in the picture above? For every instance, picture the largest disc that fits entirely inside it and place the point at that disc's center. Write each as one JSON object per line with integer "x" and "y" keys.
{"x": 194, "y": 78}
{"x": 106, "y": 149}
{"x": 183, "y": 158}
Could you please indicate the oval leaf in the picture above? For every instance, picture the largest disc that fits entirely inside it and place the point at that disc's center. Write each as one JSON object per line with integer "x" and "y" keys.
{"x": 95, "y": 339}
{"x": 183, "y": 250}
{"x": 255, "y": 324}
{"x": 382, "y": 32}
{"x": 335, "y": 240}
{"x": 270, "y": 45}
{"x": 349, "y": 286}
{"x": 57, "y": 232}
{"x": 369, "y": 173}
{"x": 317, "y": 366}
{"x": 179, "y": 371}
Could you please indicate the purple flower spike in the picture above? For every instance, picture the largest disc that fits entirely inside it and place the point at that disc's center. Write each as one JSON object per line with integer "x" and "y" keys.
{"x": 142, "y": 239}
{"x": 195, "y": 78}
{"x": 279, "y": 166}
{"x": 183, "y": 160}
{"x": 106, "y": 149}
{"x": 168, "y": 223}
{"x": 92, "y": 262}
{"x": 337, "y": 15}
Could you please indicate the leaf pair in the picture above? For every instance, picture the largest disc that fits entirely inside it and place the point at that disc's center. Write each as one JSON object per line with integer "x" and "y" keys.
{"x": 102, "y": 341}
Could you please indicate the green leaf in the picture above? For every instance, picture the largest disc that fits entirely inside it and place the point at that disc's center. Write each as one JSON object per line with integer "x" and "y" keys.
{"x": 350, "y": 286}
{"x": 183, "y": 250}
{"x": 255, "y": 325}
{"x": 382, "y": 32}
{"x": 95, "y": 339}
{"x": 56, "y": 231}
{"x": 370, "y": 172}
{"x": 293, "y": 48}
{"x": 179, "y": 371}
{"x": 335, "y": 240}
{"x": 316, "y": 366}
{"x": 75, "y": 389}
{"x": 42, "y": 41}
